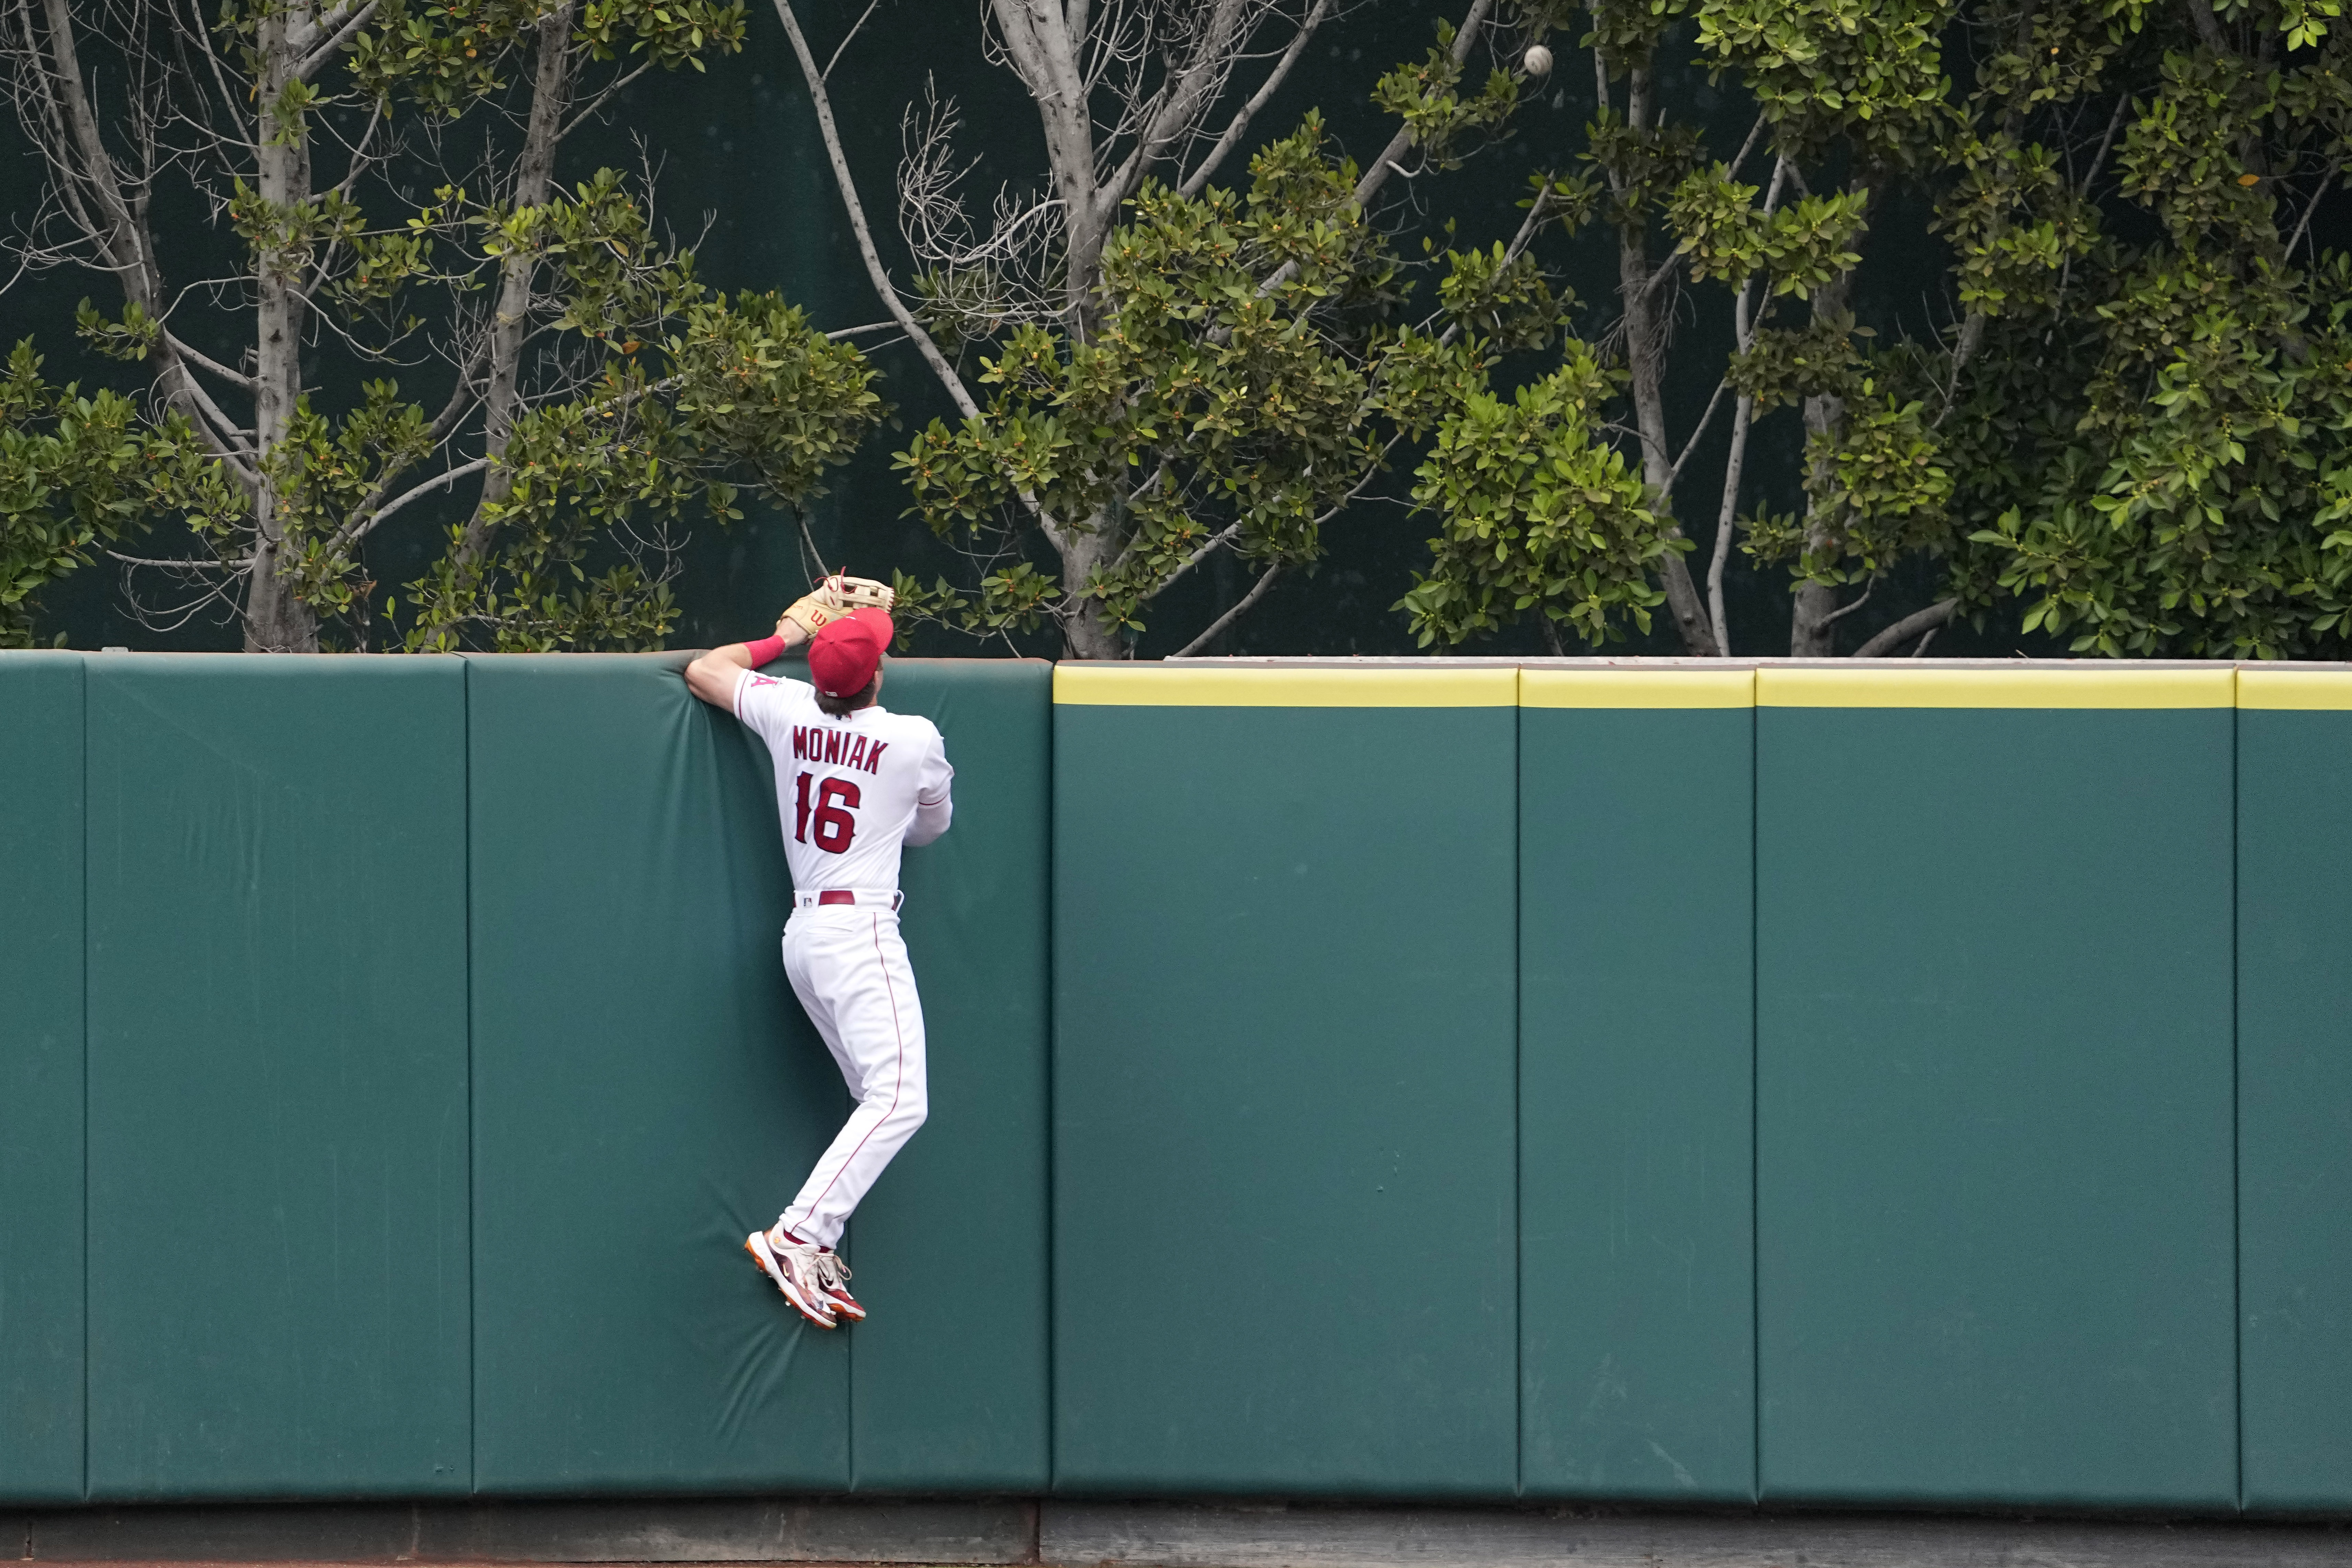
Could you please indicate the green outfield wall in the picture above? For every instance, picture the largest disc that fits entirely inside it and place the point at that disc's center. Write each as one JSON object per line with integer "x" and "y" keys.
{"x": 644, "y": 1084}
{"x": 1283, "y": 1044}
{"x": 646, "y": 1092}
{"x": 1900, "y": 1084}
{"x": 1994, "y": 1083}
{"x": 949, "y": 1386}
{"x": 1636, "y": 987}
{"x": 275, "y": 971}
{"x": 42, "y": 1035}
{"x": 2295, "y": 1087}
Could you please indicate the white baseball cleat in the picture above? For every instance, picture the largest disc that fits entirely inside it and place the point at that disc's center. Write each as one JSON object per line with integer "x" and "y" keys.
{"x": 832, "y": 1279}
{"x": 795, "y": 1271}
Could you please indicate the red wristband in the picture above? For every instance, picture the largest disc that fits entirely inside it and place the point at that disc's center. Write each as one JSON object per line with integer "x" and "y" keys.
{"x": 767, "y": 650}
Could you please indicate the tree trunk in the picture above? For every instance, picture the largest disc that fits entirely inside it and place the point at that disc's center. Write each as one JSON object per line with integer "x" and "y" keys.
{"x": 1743, "y": 417}
{"x": 276, "y": 618}
{"x": 1081, "y": 554}
{"x": 1645, "y": 357}
{"x": 1043, "y": 49}
{"x": 534, "y": 177}
{"x": 1812, "y": 633}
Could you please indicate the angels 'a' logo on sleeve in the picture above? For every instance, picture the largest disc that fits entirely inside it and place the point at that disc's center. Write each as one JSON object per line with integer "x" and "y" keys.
{"x": 749, "y": 688}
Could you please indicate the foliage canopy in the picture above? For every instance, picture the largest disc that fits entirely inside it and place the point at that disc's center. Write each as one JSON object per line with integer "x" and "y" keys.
{"x": 2123, "y": 422}
{"x": 584, "y": 385}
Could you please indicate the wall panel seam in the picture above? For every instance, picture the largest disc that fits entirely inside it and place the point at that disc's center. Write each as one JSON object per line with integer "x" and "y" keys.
{"x": 83, "y": 682}
{"x": 1518, "y": 1097}
{"x": 1053, "y": 1021}
{"x": 473, "y": 1275}
{"x": 2236, "y": 1140}
{"x": 1754, "y": 1112}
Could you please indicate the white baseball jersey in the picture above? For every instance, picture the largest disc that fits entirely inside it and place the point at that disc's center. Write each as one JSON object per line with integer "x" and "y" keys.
{"x": 851, "y": 789}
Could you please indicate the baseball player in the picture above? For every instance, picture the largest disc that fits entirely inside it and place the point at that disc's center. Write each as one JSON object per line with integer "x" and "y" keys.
{"x": 853, "y": 783}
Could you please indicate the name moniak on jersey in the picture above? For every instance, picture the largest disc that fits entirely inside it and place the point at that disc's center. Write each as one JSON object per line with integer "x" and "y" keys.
{"x": 837, "y": 748}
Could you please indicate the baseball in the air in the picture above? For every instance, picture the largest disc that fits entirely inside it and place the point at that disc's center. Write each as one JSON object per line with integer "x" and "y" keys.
{"x": 1537, "y": 60}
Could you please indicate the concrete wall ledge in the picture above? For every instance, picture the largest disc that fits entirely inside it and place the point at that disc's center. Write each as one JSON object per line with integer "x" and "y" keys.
{"x": 636, "y": 1530}
{"x": 1140, "y": 1535}
{"x": 1340, "y": 1537}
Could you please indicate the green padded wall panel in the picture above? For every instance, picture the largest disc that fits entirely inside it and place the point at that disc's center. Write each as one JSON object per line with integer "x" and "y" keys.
{"x": 646, "y": 1092}
{"x": 1636, "y": 1073}
{"x": 1995, "y": 1224}
{"x": 947, "y": 1379}
{"x": 2294, "y": 1090}
{"x": 276, "y": 967}
{"x": 1283, "y": 1248}
{"x": 40, "y": 1077}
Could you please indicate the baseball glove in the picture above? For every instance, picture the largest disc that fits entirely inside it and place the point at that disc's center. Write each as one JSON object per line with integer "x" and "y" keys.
{"x": 836, "y": 597}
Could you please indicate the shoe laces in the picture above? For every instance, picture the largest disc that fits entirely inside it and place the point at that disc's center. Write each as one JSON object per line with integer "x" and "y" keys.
{"x": 803, "y": 1254}
{"x": 832, "y": 1272}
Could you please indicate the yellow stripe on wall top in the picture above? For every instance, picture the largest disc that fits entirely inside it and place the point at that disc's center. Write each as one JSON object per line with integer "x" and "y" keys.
{"x": 1638, "y": 686}
{"x": 1262, "y": 685}
{"x": 2284, "y": 686}
{"x": 2023, "y": 686}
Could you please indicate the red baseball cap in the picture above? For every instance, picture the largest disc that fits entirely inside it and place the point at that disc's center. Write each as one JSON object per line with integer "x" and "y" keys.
{"x": 845, "y": 653}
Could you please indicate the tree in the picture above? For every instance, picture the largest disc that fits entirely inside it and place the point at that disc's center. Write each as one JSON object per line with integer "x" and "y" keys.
{"x": 589, "y": 388}
{"x": 1850, "y": 98}
{"x": 2174, "y": 404}
{"x": 78, "y": 470}
{"x": 1167, "y": 369}
{"x": 2130, "y": 419}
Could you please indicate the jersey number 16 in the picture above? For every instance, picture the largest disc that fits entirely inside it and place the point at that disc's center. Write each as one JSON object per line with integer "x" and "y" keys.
{"x": 835, "y": 799}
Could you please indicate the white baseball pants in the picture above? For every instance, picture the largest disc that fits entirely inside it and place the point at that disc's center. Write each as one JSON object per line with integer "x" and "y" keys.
{"x": 849, "y": 968}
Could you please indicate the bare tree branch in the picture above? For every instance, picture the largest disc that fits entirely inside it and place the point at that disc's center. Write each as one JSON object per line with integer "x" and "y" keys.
{"x": 1398, "y": 145}
{"x": 214, "y": 366}
{"x": 1843, "y": 611}
{"x": 1919, "y": 623}
{"x": 1377, "y": 174}
{"x": 1217, "y": 626}
{"x": 1673, "y": 258}
{"x": 1195, "y": 86}
{"x": 1744, "y": 312}
{"x": 440, "y": 481}
{"x": 230, "y": 101}
{"x": 1225, "y": 535}
{"x": 339, "y": 28}
{"x": 846, "y": 39}
{"x": 232, "y": 442}
{"x": 2123, "y": 101}
{"x": 1206, "y": 170}
{"x": 1011, "y": 277}
{"x": 1743, "y": 415}
{"x": 604, "y": 95}
{"x": 1697, "y": 430}
{"x": 214, "y": 565}
{"x": 1644, "y": 326}
{"x": 882, "y": 288}
{"x": 2312, "y": 207}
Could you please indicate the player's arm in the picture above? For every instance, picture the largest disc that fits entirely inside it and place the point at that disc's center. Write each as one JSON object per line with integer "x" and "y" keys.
{"x": 934, "y": 799}
{"x": 714, "y": 674}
